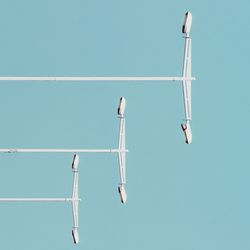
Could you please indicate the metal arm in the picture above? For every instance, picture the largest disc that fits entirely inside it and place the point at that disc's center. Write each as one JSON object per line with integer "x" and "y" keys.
{"x": 57, "y": 150}
{"x": 92, "y": 78}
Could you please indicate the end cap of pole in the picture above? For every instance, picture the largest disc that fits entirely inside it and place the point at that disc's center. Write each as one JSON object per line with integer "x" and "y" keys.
{"x": 75, "y": 162}
{"x": 122, "y": 193}
{"x": 75, "y": 236}
{"x": 122, "y": 106}
{"x": 186, "y": 27}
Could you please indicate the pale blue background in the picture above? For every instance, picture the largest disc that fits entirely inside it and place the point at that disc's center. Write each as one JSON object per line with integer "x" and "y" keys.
{"x": 180, "y": 197}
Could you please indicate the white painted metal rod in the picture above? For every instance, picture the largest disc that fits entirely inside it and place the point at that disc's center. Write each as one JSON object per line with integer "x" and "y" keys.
{"x": 38, "y": 199}
{"x": 100, "y": 78}
{"x": 46, "y": 150}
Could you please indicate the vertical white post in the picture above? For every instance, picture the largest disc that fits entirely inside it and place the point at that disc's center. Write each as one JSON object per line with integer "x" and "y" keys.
{"x": 186, "y": 82}
{"x": 122, "y": 154}
{"x": 75, "y": 200}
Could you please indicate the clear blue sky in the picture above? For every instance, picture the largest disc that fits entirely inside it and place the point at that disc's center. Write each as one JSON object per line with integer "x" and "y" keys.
{"x": 180, "y": 197}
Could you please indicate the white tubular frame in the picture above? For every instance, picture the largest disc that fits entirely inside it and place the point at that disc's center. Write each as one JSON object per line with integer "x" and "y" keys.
{"x": 186, "y": 84}
{"x": 74, "y": 199}
{"x": 121, "y": 151}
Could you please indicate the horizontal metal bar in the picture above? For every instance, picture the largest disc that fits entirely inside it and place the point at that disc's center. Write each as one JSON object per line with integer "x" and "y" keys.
{"x": 46, "y": 150}
{"x": 38, "y": 199}
{"x": 100, "y": 78}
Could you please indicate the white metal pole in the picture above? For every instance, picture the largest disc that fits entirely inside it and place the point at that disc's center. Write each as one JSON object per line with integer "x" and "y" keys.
{"x": 122, "y": 156}
{"x": 100, "y": 78}
{"x": 186, "y": 84}
{"x": 46, "y": 150}
{"x": 38, "y": 199}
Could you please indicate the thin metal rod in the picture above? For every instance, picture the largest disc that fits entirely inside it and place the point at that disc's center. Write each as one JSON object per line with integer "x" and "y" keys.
{"x": 38, "y": 199}
{"x": 100, "y": 78}
{"x": 46, "y": 150}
